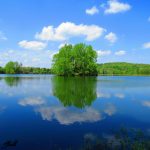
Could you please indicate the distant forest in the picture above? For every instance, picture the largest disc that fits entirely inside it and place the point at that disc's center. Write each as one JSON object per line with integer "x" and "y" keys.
{"x": 123, "y": 68}
{"x": 116, "y": 68}
{"x": 17, "y": 68}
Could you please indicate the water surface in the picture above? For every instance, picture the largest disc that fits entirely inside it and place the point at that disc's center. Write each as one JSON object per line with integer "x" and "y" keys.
{"x": 43, "y": 112}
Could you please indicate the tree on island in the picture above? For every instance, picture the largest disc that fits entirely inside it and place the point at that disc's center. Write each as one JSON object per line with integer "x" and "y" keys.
{"x": 79, "y": 59}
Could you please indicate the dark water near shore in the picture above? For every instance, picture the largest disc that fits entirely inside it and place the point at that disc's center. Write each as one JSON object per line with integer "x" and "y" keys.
{"x": 43, "y": 112}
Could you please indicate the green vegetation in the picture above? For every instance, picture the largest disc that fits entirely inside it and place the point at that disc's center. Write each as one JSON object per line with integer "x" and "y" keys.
{"x": 79, "y": 59}
{"x": 122, "y": 68}
{"x": 17, "y": 68}
{"x": 12, "y": 81}
{"x": 13, "y": 68}
{"x": 75, "y": 91}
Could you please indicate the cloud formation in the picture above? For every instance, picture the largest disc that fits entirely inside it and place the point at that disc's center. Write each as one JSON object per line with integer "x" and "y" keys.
{"x": 92, "y": 11}
{"x": 67, "y": 30}
{"x": 114, "y": 6}
{"x": 32, "y": 45}
{"x": 120, "y": 53}
{"x": 103, "y": 52}
{"x": 111, "y": 37}
{"x": 2, "y": 36}
{"x": 146, "y": 45}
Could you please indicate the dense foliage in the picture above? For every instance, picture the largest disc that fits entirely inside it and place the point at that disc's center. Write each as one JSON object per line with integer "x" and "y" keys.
{"x": 79, "y": 59}
{"x": 13, "y": 68}
{"x": 122, "y": 68}
{"x": 17, "y": 68}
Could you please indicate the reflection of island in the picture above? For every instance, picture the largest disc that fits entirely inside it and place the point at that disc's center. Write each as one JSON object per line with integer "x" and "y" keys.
{"x": 75, "y": 91}
{"x": 12, "y": 81}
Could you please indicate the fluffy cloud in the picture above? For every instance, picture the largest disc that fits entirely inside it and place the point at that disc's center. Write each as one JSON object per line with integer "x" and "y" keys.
{"x": 103, "y": 53}
{"x": 33, "y": 45}
{"x": 92, "y": 11}
{"x": 67, "y": 30}
{"x": 146, "y": 45}
{"x": 111, "y": 37}
{"x": 120, "y": 53}
{"x": 116, "y": 7}
{"x": 2, "y": 36}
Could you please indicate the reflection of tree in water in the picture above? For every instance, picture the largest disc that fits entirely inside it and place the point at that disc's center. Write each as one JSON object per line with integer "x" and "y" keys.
{"x": 12, "y": 81}
{"x": 76, "y": 91}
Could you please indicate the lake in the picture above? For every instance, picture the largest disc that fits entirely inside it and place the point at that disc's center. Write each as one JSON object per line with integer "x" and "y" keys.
{"x": 45, "y": 112}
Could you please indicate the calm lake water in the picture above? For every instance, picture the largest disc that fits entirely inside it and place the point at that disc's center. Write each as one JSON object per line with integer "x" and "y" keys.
{"x": 44, "y": 112}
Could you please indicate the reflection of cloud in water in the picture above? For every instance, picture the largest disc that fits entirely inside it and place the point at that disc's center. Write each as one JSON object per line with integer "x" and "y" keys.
{"x": 67, "y": 116}
{"x": 90, "y": 136}
{"x": 107, "y": 95}
{"x": 32, "y": 101}
{"x": 110, "y": 109}
{"x": 120, "y": 95}
{"x": 2, "y": 108}
{"x": 103, "y": 95}
{"x": 146, "y": 103}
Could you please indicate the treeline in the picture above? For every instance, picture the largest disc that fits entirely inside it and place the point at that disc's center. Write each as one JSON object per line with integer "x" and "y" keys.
{"x": 122, "y": 68}
{"x": 118, "y": 68}
{"x": 17, "y": 68}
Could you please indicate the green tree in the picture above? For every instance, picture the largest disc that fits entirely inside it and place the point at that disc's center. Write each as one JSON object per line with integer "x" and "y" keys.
{"x": 79, "y": 59}
{"x": 13, "y": 68}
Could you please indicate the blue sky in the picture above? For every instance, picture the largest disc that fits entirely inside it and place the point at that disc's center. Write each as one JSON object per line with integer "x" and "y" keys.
{"x": 32, "y": 31}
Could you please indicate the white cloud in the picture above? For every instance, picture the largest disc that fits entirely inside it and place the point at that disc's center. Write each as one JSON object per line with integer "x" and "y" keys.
{"x": 120, "y": 53}
{"x": 92, "y": 11}
{"x": 103, "y": 53}
{"x": 146, "y": 45}
{"x": 2, "y": 36}
{"x": 67, "y": 30}
{"x": 116, "y": 7}
{"x": 111, "y": 37}
{"x": 33, "y": 45}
